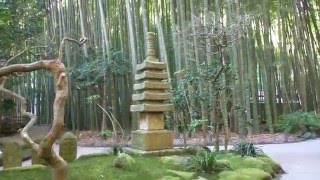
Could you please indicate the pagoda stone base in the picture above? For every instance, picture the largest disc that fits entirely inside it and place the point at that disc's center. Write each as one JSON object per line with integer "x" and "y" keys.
{"x": 151, "y": 121}
{"x": 152, "y": 140}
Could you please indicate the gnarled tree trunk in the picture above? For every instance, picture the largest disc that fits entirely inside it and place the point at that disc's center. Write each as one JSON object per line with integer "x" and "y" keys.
{"x": 44, "y": 149}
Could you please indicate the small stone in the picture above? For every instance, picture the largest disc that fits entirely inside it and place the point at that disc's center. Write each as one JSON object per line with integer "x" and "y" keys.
{"x": 175, "y": 160}
{"x": 12, "y": 155}
{"x": 123, "y": 161}
{"x": 68, "y": 147}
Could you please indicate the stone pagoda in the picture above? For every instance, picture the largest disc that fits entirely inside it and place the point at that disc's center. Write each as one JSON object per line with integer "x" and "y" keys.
{"x": 149, "y": 101}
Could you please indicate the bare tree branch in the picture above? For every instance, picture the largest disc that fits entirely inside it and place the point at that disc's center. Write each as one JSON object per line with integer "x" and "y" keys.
{"x": 55, "y": 66}
{"x": 80, "y": 43}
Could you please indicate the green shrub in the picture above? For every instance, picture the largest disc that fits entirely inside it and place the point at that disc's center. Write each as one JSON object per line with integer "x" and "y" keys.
{"x": 299, "y": 122}
{"x": 204, "y": 161}
{"x": 106, "y": 134}
{"x": 246, "y": 148}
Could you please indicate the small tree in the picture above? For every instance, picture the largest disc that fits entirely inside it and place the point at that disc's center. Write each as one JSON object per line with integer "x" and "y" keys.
{"x": 211, "y": 80}
{"x": 55, "y": 66}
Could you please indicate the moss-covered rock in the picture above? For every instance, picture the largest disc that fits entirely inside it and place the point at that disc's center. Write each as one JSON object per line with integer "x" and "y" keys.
{"x": 222, "y": 165}
{"x": 231, "y": 175}
{"x": 182, "y": 174}
{"x": 258, "y": 174}
{"x": 123, "y": 161}
{"x": 275, "y": 166}
{"x": 195, "y": 149}
{"x": 252, "y": 162}
{"x": 179, "y": 161}
{"x": 68, "y": 147}
{"x": 12, "y": 154}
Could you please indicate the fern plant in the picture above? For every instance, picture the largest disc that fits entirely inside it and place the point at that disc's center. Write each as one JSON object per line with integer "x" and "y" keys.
{"x": 106, "y": 134}
{"x": 204, "y": 161}
{"x": 246, "y": 148}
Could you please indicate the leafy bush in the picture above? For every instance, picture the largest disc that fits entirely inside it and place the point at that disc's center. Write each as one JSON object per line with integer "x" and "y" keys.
{"x": 246, "y": 148}
{"x": 204, "y": 161}
{"x": 299, "y": 122}
{"x": 106, "y": 134}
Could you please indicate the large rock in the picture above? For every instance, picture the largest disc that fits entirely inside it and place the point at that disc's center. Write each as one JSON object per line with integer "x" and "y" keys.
{"x": 68, "y": 147}
{"x": 123, "y": 161}
{"x": 12, "y": 154}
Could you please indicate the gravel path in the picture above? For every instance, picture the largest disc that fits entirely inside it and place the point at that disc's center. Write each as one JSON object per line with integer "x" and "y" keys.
{"x": 80, "y": 151}
{"x": 300, "y": 160}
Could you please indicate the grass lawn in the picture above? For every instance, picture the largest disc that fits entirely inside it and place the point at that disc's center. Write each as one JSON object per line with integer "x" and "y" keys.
{"x": 96, "y": 167}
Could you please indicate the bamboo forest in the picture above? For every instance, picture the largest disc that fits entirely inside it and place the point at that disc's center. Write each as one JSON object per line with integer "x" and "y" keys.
{"x": 153, "y": 75}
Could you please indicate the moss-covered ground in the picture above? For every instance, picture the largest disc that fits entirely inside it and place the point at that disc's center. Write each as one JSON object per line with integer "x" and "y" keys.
{"x": 147, "y": 167}
{"x": 97, "y": 167}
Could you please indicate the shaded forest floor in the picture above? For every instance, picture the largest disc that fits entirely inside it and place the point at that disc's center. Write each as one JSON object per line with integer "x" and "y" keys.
{"x": 92, "y": 139}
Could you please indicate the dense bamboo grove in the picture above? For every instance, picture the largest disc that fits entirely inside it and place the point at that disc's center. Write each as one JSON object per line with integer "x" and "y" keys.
{"x": 241, "y": 63}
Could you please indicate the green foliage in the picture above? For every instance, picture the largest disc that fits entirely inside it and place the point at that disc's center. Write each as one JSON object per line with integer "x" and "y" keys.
{"x": 304, "y": 123}
{"x": 106, "y": 134}
{"x": 92, "y": 72}
{"x": 187, "y": 100}
{"x": 8, "y": 106}
{"x": 179, "y": 98}
{"x": 20, "y": 22}
{"x": 246, "y": 148}
{"x": 93, "y": 98}
{"x": 204, "y": 161}
{"x": 195, "y": 123}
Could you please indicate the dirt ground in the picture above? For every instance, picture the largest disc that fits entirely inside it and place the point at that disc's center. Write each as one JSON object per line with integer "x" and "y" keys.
{"x": 92, "y": 138}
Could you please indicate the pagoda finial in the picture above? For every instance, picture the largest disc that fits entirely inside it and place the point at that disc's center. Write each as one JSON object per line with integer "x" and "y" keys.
{"x": 151, "y": 52}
